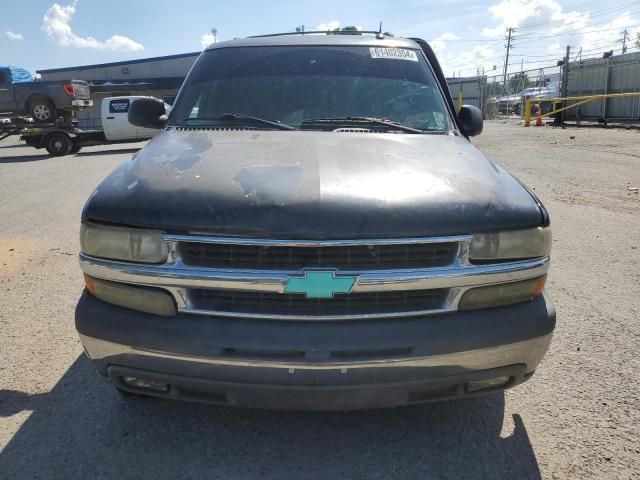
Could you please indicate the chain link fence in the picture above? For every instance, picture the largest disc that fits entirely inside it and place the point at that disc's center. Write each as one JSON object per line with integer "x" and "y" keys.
{"x": 498, "y": 96}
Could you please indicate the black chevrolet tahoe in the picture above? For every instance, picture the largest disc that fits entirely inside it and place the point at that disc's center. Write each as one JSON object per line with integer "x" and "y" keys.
{"x": 312, "y": 229}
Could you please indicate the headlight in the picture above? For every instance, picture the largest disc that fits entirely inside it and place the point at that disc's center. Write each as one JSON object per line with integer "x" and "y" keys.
{"x": 143, "y": 299}
{"x": 128, "y": 244}
{"x": 517, "y": 244}
{"x": 503, "y": 294}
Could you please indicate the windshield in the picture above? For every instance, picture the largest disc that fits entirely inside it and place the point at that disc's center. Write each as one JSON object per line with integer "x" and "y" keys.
{"x": 293, "y": 85}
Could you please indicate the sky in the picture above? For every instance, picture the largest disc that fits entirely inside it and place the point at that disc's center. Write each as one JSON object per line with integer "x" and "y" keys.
{"x": 467, "y": 35}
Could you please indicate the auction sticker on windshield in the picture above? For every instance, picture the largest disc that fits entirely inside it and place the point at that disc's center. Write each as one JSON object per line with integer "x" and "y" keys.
{"x": 394, "y": 53}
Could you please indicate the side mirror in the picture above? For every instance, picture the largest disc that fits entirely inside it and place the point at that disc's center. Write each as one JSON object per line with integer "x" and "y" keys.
{"x": 469, "y": 119}
{"x": 147, "y": 113}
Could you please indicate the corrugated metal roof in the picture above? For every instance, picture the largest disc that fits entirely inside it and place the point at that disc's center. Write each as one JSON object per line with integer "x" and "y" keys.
{"x": 115, "y": 64}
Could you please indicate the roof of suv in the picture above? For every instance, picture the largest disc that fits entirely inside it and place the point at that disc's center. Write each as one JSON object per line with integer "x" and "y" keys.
{"x": 367, "y": 40}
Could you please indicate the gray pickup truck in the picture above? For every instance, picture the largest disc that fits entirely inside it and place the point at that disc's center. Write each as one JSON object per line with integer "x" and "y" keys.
{"x": 313, "y": 229}
{"x": 43, "y": 101}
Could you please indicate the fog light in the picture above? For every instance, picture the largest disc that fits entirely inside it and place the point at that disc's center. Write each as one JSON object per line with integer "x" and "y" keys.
{"x": 488, "y": 384}
{"x": 146, "y": 384}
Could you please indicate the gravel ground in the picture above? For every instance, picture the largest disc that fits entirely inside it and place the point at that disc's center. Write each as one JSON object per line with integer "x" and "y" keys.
{"x": 578, "y": 418}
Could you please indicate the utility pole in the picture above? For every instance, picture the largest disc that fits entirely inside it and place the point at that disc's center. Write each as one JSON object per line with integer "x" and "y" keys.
{"x": 506, "y": 60}
{"x": 625, "y": 39}
{"x": 565, "y": 80}
{"x": 523, "y": 86}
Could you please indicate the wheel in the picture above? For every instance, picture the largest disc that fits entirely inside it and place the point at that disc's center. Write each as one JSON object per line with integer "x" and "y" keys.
{"x": 58, "y": 144}
{"x": 42, "y": 111}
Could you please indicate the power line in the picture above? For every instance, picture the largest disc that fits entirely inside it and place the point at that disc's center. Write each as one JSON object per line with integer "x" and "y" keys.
{"x": 601, "y": 48}
{"x": 539, "y": 34}
{"x": 598, "y": 13}
{"x": 472, "y": 40}
{"x": 569, "y": 34}
{"x": 549, "y": 59}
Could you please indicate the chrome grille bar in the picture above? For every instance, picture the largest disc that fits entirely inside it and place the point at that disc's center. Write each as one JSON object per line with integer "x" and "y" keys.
{"x": 180, "y": 279}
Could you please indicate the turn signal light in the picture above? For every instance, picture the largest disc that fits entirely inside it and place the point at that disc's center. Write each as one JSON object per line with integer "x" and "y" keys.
{"x": 143, "y": 299}
{"x": 502, "y": 294}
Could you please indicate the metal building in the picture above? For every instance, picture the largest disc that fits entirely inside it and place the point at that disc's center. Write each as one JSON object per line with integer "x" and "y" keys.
{"x": 160, "y": 77}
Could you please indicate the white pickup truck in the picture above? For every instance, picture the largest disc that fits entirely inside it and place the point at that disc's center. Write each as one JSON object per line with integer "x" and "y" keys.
{"x": 115, "y": 122}
{"x": 62, "y": 140}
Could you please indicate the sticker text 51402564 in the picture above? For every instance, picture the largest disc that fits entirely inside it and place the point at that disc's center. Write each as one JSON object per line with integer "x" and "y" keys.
{"x": 394, "y": 53}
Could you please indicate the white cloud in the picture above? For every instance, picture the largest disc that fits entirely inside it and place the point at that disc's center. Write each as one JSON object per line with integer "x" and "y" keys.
{"x": 556, "y": 49}
{"x": 602, "y": 37}
{"x": 13, "y": 36}
{"x": 439, "y": 44}
{"x": 332, "y": 25}
{"x": 207, "y": 39}
{"x": 521, "y": 13}
{"x": 123, "y": 44}
{"x": 453, "y": 59}
{"x": 478, "y": 57}
{"x": 56, "y": 24}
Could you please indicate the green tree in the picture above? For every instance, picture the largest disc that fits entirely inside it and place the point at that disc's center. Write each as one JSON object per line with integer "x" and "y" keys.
{"x": 519, "y": 81}
{"x": 494, "y": 89}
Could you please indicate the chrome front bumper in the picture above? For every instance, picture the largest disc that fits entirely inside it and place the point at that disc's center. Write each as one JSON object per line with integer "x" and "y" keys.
{"x": 315, "y": 386}
{"x": 317, "y": 365}
{"x": 528, "y": 353}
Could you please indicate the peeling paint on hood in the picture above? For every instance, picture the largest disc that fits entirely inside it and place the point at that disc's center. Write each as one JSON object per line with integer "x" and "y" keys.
{"x": 296, "y": 184}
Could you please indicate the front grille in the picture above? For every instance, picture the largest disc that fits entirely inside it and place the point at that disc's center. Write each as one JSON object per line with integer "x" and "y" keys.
{"x": 341, "y": 257}
{"x": 278, "y": 304}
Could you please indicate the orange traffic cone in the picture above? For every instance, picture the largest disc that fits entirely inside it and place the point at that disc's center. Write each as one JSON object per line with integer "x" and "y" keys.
{"x": 539, "y": 117}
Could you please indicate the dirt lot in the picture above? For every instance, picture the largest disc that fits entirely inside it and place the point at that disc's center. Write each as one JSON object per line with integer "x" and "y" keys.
{"x": 578, "y": 418}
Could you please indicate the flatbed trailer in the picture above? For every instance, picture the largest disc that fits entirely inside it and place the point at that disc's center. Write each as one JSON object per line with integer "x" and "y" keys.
{"x": 57, "y": 138}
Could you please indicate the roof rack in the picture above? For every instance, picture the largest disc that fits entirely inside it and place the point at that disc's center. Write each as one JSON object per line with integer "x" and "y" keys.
{"x": 377, "y": 33}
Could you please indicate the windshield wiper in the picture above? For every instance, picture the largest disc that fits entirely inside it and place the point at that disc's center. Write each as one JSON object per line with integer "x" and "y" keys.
{"x": 233, "y": 117}
{"x": 383, "y": 122}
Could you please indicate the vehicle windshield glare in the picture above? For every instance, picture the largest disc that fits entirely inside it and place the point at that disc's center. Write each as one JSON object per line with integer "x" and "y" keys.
{"x": 292, "y": 85}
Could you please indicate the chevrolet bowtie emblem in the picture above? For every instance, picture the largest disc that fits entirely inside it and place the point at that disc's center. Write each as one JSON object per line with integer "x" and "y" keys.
{"x": 319, "y": 284}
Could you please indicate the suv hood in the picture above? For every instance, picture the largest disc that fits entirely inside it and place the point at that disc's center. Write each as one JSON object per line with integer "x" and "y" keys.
{"x": 294, "y": 185}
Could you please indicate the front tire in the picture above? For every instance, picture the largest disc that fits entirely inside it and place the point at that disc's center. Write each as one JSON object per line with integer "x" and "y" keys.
{"x": 42, "y": 111}
{"x": 58, "y": 144}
